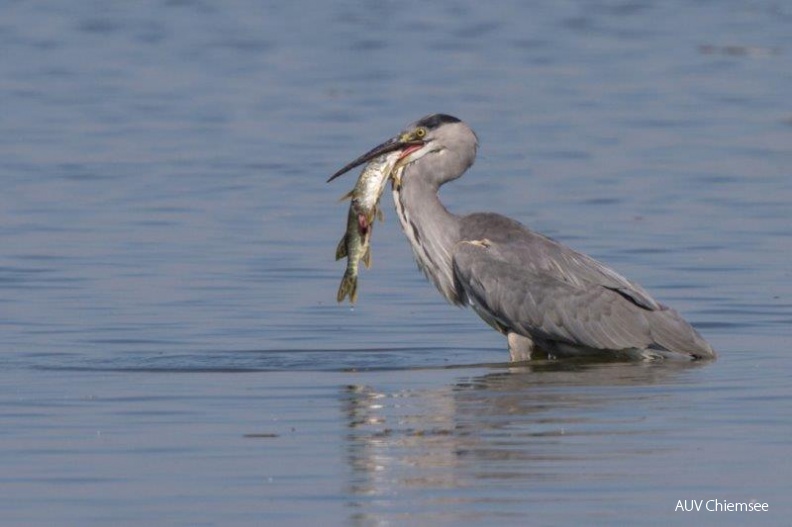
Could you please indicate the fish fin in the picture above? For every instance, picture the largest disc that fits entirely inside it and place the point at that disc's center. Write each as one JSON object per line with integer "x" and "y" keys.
{"x": 341, "y": 250}
{"x": 347, "y": 196}
{"x": 353, "y": 293}
{"x": 348, "y": 287}
{"x": 367, "y": 257}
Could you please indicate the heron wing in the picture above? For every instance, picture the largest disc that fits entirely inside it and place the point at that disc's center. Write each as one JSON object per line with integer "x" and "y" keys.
{"x": 534, "y": 252}
{"x": 542, "y": 306}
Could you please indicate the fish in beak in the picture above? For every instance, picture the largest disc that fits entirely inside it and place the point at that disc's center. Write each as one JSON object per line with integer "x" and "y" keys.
{"x": 406, "y": 142}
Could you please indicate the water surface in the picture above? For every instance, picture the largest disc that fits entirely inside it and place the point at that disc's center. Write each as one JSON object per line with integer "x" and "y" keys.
{"x": 172, "y": 353}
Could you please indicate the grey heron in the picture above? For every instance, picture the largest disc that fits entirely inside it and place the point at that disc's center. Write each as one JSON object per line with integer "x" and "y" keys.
{"x": 547, "y": 299}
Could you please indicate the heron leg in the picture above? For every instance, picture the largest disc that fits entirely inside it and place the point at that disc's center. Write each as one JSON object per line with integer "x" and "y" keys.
{"x": 520, "y": 347}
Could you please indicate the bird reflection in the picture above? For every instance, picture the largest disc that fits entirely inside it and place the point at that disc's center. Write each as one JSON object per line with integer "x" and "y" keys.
{"x": 437, "y": 453}
{"x": 400, "y": 437}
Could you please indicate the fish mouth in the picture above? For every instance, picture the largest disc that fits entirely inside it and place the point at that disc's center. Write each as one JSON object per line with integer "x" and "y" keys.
{"x": 405, "y": 144}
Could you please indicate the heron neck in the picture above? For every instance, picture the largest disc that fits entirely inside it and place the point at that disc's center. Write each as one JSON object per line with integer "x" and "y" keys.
{"x": 431, "y": 229}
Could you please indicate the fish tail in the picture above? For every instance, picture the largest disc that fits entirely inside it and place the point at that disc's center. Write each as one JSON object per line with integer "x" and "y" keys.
{"x": 348, "y": 287}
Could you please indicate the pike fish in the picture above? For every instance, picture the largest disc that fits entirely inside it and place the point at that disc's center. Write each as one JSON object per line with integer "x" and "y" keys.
{"x": 356, "y": 243}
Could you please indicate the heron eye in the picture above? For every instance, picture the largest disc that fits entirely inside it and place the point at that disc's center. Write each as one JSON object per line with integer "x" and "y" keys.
{"x": 420, "y": 133}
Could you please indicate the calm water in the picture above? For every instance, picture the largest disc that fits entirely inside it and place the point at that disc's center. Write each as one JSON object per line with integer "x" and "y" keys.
{"x": 172, "y": 353}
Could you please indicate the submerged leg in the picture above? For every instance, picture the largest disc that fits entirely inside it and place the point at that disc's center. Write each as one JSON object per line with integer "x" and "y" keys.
{"x": 520, "y": 348}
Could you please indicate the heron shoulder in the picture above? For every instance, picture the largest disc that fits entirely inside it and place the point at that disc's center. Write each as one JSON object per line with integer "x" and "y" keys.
{"x": 517, "y": 245}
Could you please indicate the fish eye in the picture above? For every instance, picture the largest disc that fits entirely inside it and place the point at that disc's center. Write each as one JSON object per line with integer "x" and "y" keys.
{"x": 420, "y": 132}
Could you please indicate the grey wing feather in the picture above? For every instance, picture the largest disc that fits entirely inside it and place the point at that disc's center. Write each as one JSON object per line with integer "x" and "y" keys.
{"x": 535, "y": 252}
{"x": 535, "y": 303}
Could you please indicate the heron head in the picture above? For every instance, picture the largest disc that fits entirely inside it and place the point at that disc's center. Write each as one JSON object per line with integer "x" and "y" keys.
{"x": 425, "y": 140}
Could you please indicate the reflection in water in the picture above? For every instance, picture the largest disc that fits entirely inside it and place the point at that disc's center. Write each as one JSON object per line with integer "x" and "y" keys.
{"x": 448, "y": 453}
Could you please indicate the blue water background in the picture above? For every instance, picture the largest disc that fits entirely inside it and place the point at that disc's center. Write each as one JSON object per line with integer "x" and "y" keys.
{"x": 171, "y": 348}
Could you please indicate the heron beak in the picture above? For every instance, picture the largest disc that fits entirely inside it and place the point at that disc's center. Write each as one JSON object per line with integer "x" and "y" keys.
{"x": 403, "y": 142}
